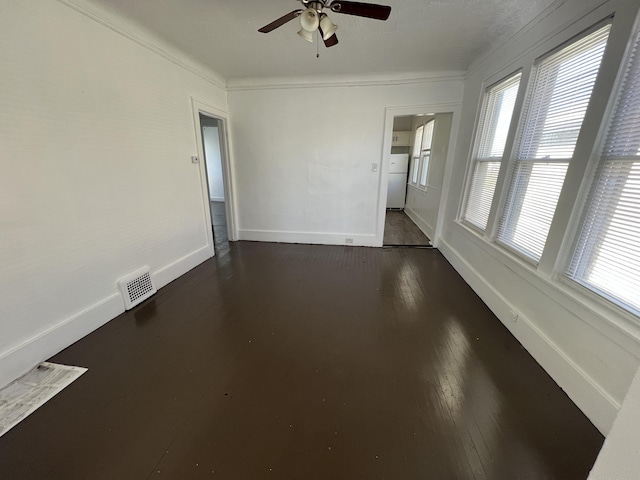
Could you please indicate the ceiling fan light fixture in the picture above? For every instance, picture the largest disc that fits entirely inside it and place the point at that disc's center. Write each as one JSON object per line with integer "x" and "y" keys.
{"x": 308, "y": 36}
{"x": 327, "y": 26}
{"x": 309, "y": 20}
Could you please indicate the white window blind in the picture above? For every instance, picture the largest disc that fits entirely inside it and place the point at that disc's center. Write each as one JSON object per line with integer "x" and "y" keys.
{"x": 427, "y": 140}
{"x": 417, "y": 143}
{"x": 560, "y": 95}
{"x": 415, "y": 168}
{"x": 495, "y": 119}
{"x": 426, "y": 156}
{"x": 415, "y": 158}
{"x": 606, "y": 257}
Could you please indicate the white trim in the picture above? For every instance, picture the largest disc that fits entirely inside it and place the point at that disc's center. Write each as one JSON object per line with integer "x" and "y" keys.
{"x": 179, "y": 267}
{"x": 373, "y": 80}
{"x": 228, "y": 175}
{"x": 154, "y": 45}
{"x": 600, "y": 407}
{"x": 422, "y": 224}
{"x": 618, "y": 325}
{"x": 21, "y": 358}
{"x": 315, "y": 238}
{"x": 390, "y": 113}
{"x": 18, "y": 360}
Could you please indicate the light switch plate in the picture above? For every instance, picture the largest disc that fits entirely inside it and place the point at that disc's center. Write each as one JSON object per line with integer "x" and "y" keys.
{"x": 194, "y": 159}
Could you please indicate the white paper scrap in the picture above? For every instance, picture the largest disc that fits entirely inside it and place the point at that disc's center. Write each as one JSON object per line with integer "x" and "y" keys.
{"x": 25, "y": 395}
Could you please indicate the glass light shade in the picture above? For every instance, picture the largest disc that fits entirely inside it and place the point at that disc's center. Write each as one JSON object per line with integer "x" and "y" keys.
{"x": 308, "y": 36}
{"x": 309, "y": 20}
{"x": 327, "y": 26}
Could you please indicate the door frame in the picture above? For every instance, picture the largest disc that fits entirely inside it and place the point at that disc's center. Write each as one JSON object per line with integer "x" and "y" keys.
{"x": 389, "y": 115}
{"x": 199, "y": 107}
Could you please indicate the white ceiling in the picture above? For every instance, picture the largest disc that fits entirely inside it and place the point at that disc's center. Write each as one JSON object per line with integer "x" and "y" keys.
{"x": 420, "y": 35}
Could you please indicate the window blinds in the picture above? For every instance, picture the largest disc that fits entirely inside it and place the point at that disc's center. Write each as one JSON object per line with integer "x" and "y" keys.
{"x": 417, "y": 142}
{"x": 606, "y": 257}
{"x": 427, "y": 140}
{"x": 415, "y": 158}
{"x": 495, "y": 120}
{"x": 560, "y": 96}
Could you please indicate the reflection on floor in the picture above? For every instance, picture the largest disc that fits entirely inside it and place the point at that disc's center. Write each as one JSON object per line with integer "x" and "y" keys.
{"x": 220, "y": 232}
{"x": 310, "y": 362}
{"x": 399, "y": 230}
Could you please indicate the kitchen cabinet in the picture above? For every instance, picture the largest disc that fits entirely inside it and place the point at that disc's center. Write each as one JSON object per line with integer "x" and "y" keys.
{"x": 401, "y": 139}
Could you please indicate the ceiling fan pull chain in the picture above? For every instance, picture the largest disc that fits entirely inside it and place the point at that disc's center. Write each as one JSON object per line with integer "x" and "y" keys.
{"x": 317, "y": 44}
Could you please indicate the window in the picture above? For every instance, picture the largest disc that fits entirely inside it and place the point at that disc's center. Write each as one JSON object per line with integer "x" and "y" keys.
{"x": 495, "y": 120}
{"x": 427, "y": 139}
{"x": 562, "y": 86}
{"x": 415, "y": 157}
{"x": 606, "y": 256}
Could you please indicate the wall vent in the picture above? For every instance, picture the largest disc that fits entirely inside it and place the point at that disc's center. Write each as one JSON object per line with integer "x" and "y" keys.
{"x": 137, "y": 287}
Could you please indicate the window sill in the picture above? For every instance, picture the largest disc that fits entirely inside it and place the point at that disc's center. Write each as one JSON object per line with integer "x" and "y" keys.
{"x": 417, "y": 188}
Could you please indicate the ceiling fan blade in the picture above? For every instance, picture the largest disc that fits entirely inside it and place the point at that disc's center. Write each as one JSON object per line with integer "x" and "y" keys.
{"x": 369, "y": 10}
{"x": 281, "y": 21}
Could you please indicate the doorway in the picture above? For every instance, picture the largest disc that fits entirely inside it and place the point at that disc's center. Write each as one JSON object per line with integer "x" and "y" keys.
{"x": 211, "y": 131}
{"x": 416, "y": 165}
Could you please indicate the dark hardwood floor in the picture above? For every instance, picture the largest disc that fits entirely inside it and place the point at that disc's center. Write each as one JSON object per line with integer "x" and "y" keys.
{"x": 220, "y": 231}
{"x": 306, "y": 362}
{"x": 399, "y": 230}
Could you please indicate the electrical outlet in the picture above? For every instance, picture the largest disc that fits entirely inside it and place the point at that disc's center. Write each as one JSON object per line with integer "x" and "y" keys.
{"x": 514, "y": 316}
{"x": 348, "y": 241}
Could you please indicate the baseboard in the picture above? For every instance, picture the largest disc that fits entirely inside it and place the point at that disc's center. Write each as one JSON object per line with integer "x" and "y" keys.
{"x": 420, "y": 222}
{"x": 583, "y": 390}
{"x": 176, "y": 269}
{"x": 217, "y": 199}
{"x": 20, "y": 359}
{"x": 315, "y": 238}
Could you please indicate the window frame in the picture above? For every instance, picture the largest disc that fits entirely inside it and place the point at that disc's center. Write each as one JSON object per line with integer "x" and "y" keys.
{"x": 546, "y": 275}
{"x": 416, "y": 160}
{"x": 425, "y": 154}
{"x": 572, "y": 238}
{"x": 512, "y": 162}
{"x": 524, "y": 74}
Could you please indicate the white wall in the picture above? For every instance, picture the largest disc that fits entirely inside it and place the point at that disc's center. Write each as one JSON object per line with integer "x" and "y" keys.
{"x": 304, "y": 154}
{"x": 423, "y": 204}
{"x": 96, "y": 134}
{"x": 211, "y": 140}
{"x": 619, "y": 458}
{"x": 590, "y": 349}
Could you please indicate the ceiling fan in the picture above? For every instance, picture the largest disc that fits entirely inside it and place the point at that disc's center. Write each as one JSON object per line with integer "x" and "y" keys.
{"x": 313, "y": 18}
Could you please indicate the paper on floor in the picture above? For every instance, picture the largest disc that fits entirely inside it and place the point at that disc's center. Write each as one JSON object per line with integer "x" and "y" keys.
{"x": 26, "y": 394}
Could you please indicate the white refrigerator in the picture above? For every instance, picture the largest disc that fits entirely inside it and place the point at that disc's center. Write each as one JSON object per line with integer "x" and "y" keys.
{"x": 397, "y": 189}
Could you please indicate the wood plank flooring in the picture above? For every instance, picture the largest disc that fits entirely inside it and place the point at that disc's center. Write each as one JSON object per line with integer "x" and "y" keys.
{"x": 306, "y": 362}
{"x": 400, "y": 230}
{"x": 220, "y": 231}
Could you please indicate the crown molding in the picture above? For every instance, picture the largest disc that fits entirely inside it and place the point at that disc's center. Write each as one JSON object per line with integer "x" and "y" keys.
{"x": 327, "y": 81}
{"x": 147, "y": 41}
